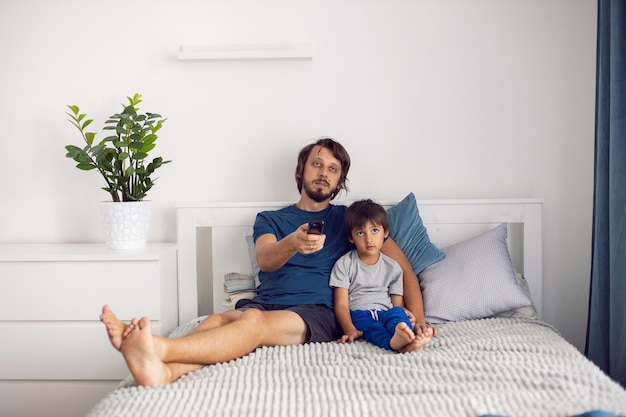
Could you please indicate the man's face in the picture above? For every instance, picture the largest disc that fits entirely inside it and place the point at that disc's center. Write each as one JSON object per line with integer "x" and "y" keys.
{"x": 322, "y": 172}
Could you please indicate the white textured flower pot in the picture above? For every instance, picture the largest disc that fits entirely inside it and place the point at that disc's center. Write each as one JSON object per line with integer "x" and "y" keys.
{"x": 126, "y": 223}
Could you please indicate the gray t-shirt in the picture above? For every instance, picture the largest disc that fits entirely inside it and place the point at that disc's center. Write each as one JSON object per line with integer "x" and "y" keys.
{"x": 369, "y": 286}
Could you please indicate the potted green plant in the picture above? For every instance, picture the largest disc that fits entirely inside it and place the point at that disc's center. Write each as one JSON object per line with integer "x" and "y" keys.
{"x": 122, "y": 160}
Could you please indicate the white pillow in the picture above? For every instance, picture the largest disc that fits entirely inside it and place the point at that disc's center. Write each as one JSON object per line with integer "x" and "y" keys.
{"x": 476, "y": 279}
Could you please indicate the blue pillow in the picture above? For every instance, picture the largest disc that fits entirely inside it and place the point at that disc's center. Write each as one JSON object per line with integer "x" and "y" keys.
{"x": 407, "y": 230}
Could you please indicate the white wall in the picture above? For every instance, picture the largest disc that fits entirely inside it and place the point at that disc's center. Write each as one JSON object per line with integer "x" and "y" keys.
{"x": 449, "y": 99}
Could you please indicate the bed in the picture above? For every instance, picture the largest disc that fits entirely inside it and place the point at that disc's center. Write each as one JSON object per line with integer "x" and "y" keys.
{"x": 482, "y": 287}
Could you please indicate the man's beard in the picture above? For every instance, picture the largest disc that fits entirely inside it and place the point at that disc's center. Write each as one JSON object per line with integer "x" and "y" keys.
{"x": 318, "y": 195}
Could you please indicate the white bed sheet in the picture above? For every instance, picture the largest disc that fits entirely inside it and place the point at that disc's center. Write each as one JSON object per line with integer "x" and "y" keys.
{"x": 511, "y": 367}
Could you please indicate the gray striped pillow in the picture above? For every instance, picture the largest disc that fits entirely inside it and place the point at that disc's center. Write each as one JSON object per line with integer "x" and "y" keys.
{"x": 476, "y": 279}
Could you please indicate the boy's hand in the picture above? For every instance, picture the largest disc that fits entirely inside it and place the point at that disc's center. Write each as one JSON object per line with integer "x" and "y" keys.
{"x": 351, "y": 337}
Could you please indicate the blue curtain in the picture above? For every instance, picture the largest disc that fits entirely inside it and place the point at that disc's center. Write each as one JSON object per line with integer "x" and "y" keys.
{"x": 606, "y": 326}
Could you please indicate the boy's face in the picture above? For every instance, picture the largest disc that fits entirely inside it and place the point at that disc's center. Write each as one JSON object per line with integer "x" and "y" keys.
{"x": 368, "y": 239}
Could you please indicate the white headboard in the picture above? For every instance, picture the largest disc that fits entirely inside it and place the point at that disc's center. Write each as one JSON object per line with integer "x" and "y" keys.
{"x": 211, "y": 241}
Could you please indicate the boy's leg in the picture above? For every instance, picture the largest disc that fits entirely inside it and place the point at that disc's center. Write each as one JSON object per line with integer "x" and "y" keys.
{"x": 390, "y": 319}
{"x": 419, "y": 341}
{"x": 404, "y": 338}
{"x": 373, "y": 330}
{"x": 397, "y": 323}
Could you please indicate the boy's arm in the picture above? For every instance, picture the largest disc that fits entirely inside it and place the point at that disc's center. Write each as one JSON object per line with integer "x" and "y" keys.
{"x": 397, "y": 300}
{"x": 342, "y": 312}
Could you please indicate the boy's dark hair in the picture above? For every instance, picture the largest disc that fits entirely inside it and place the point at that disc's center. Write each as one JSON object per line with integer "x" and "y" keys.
{"x": 363, "y": 211}
{"x": 338, "y": 151}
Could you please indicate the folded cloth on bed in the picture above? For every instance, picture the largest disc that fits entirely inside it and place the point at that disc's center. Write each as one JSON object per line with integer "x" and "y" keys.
{"x": 231, "y": 300}
{"x": 236, "y": 287}
{"x": 234, "y": 282}
{"x": 502, "y": 366}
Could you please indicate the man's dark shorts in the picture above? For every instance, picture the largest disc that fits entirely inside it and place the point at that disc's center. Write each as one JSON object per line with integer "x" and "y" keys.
{"x": 320, "y": 319}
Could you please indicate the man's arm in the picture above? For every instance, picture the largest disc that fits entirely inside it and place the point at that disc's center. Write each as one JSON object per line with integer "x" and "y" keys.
{"x": 412, "y": 292}
{"x": 271, "y": 254}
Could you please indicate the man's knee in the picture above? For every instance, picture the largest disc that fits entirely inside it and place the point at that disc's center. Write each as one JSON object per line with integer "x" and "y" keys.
{"x": 253, "y": 316}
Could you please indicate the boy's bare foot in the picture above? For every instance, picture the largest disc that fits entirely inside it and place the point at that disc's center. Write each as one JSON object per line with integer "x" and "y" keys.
{"x": 418, "y": 342}
{"x": 402, "y": 336}
{"x": 141, "y": 357}
{"x": 116, "y": 328}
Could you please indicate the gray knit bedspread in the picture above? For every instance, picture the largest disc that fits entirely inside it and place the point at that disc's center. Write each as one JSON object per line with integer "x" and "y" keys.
{"x": 509, "y": 367}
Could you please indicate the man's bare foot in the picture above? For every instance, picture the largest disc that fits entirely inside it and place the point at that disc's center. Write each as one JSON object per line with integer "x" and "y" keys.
{"x": 402, "y": 336}
{"x": 418, "y": 342}
{"x": 141, "y": 357}
{"x": 116, "y": 328}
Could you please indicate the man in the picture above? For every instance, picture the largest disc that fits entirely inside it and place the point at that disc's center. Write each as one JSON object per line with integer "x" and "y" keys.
{"x": 294, "y": 301}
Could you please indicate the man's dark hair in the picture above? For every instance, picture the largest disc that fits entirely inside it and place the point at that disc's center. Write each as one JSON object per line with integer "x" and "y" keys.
{"x": 338, "y": 152}
{"x": 363, "y": 211}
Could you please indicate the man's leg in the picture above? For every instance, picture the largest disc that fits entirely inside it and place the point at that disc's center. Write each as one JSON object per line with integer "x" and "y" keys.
{"x": 155, "y": 360}
{"x": 217, "y": 320}
{"x": 118, "y": 330}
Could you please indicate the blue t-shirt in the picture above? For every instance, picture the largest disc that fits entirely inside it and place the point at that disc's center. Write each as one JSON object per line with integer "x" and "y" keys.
{"x": 304, "y": 278}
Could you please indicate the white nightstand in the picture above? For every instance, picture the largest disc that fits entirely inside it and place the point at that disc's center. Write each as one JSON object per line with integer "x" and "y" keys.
{"x": 55, "y": 357}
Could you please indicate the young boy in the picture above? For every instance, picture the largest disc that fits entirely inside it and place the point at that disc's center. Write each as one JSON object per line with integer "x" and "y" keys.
{"x": 367, "y": 285}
